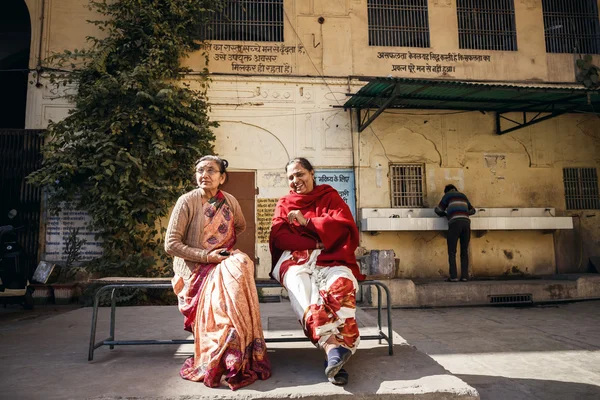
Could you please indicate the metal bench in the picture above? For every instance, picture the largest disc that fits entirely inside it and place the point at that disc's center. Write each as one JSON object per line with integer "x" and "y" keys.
{"x": 115, "y": 283}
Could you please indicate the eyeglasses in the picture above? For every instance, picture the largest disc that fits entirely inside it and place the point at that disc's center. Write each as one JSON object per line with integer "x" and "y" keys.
{"x": 209, "y": 171}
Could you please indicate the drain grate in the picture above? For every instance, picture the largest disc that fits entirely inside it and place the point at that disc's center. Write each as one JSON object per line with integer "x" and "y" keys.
{"x": 511, "y": 298}
{"x": 270, "y": 299}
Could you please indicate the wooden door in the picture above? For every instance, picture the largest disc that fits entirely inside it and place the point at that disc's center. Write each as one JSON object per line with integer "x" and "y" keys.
{"x": 242, "y": 185}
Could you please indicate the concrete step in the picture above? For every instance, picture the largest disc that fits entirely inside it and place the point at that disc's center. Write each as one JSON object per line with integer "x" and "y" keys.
{"x": 49, "y": 356}
{"x": 407, "y": 293}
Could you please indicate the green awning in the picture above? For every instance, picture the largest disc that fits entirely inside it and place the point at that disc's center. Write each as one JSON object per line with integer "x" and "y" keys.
{"x": 536, "y": 102}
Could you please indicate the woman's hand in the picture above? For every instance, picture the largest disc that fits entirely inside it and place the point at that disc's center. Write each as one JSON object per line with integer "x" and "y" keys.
{"x": 214, "y": 257}
{"x": 296, "y": 215}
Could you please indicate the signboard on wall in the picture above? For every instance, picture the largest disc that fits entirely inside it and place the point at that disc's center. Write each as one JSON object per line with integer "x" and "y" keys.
{"x": 58, "y": 228}
{"x": 265, "y": 208}
{"x": 343, "y": 181}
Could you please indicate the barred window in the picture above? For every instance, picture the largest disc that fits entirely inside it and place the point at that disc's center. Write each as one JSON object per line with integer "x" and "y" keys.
{"x": 487, "y": 25}
{"x": 571, "y": 26}
{"x": 581, "y": 188}
{"x": 407, "y": 185}
{"x": 247, "y": 20}
{"x": 400, "y": 23}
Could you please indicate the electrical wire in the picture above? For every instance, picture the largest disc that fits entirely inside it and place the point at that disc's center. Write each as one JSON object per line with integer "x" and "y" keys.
{"x": 292, "y": 114}
{"x": 381, "y": 143}
{"x": 308, "y": 55}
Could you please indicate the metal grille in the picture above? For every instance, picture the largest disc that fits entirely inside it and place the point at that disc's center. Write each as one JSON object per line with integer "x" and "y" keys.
{"x": 487, "y": 24}
{"x": 511, "y": 298}
{"x": 246, "y": 20}
{"x": 407, "y": 185}
{"x": 401, "y": 23}
{"x": 20, "y": 154}
{"x": 581, "y": 188}
{"x": 571, "y": 26}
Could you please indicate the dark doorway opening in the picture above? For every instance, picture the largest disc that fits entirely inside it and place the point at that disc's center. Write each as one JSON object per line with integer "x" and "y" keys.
{"x": 15, "y": 38}
{"x": 20, "y": 149}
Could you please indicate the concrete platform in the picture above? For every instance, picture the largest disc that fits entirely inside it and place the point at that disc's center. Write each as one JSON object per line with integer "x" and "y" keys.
{"x": 46, "y": 357}
{"x": 428, "y": 293}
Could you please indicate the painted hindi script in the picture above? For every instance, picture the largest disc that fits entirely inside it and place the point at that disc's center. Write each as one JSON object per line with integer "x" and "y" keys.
{"x": 264, "y": 214}
{"x": 435, "y": 63}
{"x": 254, "y": 58}
{"x": 58, "y": 228}
{"x": 341, "y": 180}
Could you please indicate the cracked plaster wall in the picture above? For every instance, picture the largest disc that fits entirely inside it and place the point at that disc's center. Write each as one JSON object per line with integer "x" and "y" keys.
{"x": 267, "y": 119}
{"x": 266, "y": 122}
{"x": 520, "y": 169}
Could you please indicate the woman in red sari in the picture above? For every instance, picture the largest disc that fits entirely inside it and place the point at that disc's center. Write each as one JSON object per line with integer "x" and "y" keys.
{"x": 312, "y": 242}
{"x": 215, "y": 284}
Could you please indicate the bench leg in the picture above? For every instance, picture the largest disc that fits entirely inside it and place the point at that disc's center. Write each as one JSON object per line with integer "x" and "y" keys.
{"x": 94, "y": 323}
{"x": 113, "y": 311}
{"x": 389, "y": 321}
{"x": 378, "y": 309}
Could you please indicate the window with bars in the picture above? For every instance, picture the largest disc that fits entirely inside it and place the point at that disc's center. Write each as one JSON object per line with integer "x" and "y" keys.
{"x": 487, "y": 24}
{"x": 581, "y": 188}
{"x": 407, "y": 185}
{"x": 400, "y": 23}
{"x": 247, "y": 20}
{"x": 571, "y": 26}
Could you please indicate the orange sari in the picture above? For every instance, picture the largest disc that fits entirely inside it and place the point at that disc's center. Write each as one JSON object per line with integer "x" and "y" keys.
{"x": 220, "y": 306}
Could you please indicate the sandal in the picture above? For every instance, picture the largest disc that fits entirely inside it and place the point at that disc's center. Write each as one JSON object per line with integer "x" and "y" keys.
{"x": 336, "y": 358}
{"x": 341, "y": 378}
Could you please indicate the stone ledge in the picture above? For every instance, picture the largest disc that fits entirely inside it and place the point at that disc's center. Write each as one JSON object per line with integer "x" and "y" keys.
{"x": 405, "y": 293}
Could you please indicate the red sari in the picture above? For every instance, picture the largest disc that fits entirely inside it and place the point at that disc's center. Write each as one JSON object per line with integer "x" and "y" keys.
{"x": 220, "y": 306}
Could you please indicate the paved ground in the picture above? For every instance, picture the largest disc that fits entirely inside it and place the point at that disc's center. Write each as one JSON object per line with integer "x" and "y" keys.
{"x": 540, "y": 352}
{"x": 45, "y": 356}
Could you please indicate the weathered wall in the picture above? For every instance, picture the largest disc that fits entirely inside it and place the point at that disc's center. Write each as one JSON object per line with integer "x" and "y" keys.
{"x": 338, "y": 46}
{"x": 266, "y": 122}
{"x": 273, "y": 104}
{"x": 521, "y": 169}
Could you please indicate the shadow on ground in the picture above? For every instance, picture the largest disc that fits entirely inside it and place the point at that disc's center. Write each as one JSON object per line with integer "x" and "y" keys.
{"x": 49, "y": 356}
{"x": 501, "y": 388}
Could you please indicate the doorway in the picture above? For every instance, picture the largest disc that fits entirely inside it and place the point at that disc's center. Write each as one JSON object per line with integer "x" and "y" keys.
{"x": 242, "y": 185}
{"x": 15, "y": 39}
{"x": 20, "y": 149}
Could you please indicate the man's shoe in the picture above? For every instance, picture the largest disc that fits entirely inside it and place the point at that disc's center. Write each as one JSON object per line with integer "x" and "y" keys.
{"x": 463, "y": 279}
{"x": 452, "y": 280}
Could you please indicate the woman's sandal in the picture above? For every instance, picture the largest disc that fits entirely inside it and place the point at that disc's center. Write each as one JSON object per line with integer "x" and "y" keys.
{"x": 336, "y": 358}
{"x": 341, "y": 378}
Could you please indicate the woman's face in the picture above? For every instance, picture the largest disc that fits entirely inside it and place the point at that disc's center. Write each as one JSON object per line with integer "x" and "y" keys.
{"x": 208, "y": 175}
{"x": 301, "y": 180}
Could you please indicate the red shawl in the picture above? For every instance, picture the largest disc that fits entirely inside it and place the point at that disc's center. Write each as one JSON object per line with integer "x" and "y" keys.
{"x": 331, "y": 223}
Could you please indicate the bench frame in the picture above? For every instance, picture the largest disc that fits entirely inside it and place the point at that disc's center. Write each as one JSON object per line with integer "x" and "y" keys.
{"x": 153, "y": 284}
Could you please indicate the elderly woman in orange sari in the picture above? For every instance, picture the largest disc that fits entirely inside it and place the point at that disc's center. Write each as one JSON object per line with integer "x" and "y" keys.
{"x": 215, "y": 284}
{"x": 312, "y": 241}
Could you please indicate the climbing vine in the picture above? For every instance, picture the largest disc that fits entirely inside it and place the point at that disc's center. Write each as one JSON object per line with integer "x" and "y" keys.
{"x": 125, "y": 151}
